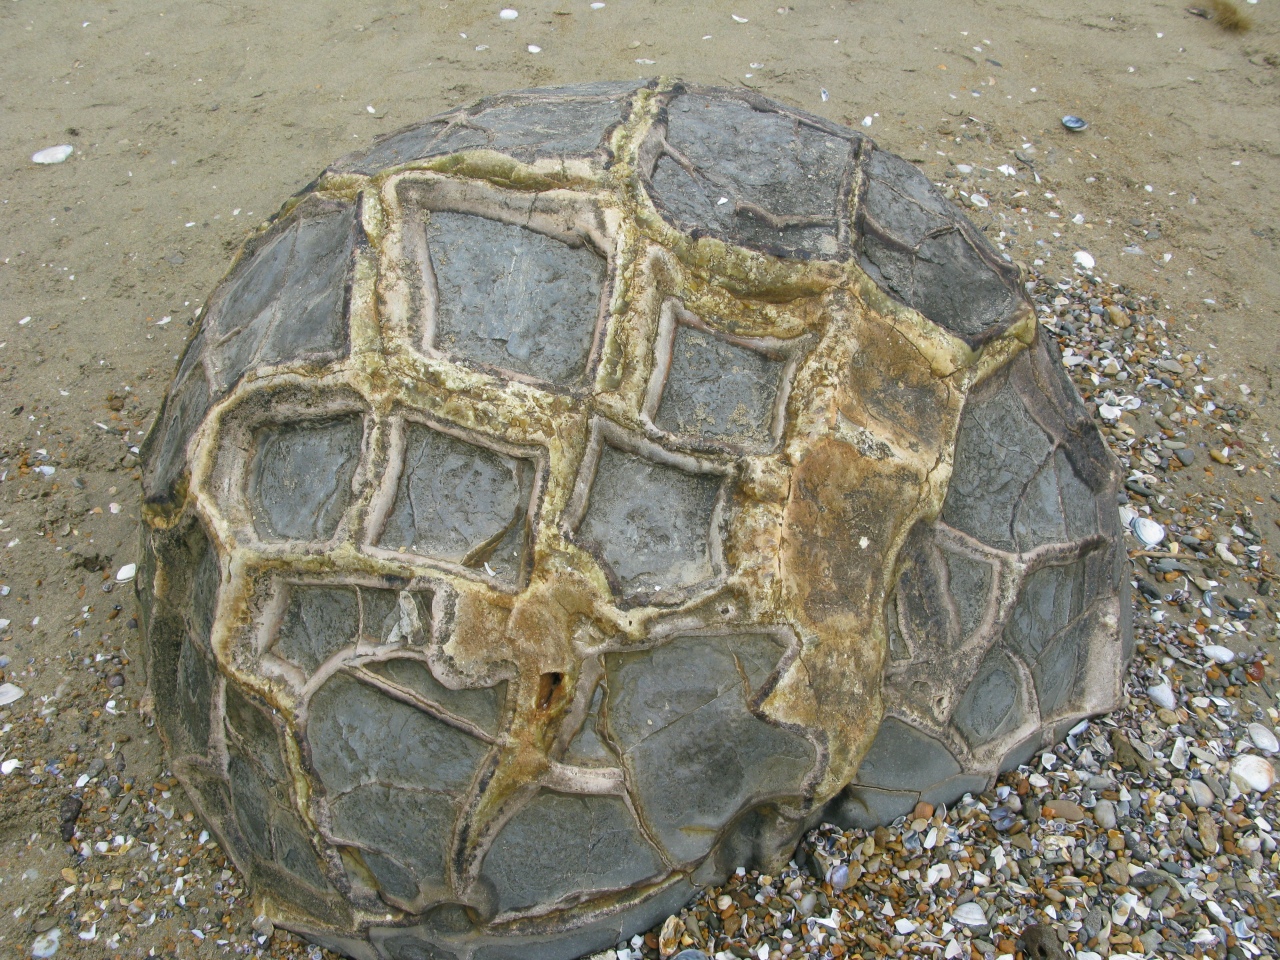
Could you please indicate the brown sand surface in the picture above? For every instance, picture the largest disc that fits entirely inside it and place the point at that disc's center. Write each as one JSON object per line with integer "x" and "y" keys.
{"x": 194, "y": 121}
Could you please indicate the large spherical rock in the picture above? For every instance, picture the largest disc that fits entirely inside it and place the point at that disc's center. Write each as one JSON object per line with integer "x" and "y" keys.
{"x": 578, "y": 494}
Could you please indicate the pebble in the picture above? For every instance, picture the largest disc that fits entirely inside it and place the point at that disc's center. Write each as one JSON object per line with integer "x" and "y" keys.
{"x": 1104, "y": 814}
{"x": 1063, "y": 810}
{"x": 1201, "y": 795}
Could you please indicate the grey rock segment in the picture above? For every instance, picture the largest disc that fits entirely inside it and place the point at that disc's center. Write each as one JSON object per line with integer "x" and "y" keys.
{"x": 498, "y": 285}
{"x": 719, "y": 390}
{"x": 651, "y": 522}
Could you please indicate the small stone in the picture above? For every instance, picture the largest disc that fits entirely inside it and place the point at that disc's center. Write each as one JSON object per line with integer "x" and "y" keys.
{"x": 691, "y": 955}
{"x": 1186, "y": 456}
{"x": 1125, "y": 755}
{"x": 1104, "y": 814}
{"x": 1146, "y": 881}
{"x": 1249, "y": 772}
{"x": 1207, "y": 831}
{"x": 1040, "y": 942}
{"x": 1118, "y": 317}
{"x": 1118, "y": 872}
{"x": 1200, "y": 794}
{"x": 1063, "y": 810}
{"x": 923, "y": 811}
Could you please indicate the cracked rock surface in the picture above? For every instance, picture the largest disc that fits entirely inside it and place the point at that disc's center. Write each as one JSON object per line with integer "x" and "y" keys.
{"x": 582, "y": 493}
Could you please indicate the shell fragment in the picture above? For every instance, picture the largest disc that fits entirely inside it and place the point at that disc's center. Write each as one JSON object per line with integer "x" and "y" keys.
{"x": 53, "y": 154}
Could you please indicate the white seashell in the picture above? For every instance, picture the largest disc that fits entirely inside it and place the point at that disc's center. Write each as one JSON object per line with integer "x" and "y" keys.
{"x": 53, "y": 154}
{"x": 9, "y": 693}
{"x": 1249, "y": 772}
{"x": 939, "y": 871}
{"x": 46, "y": 944}
{"x": 904, "y": 926}
{"x": 1226, "y": 555}
{"x": 508, "y": 14}
{"x": 1084, "y": 259}
{"x": 1127, "y": 516}
{"x": 126, "y": 573}
{"x": 1218, "y": 654}
{"x": 9, "y": 766}
{"x": 1179, "y": 755}
{"x": 970, "y": 914}
{"x": 1162, "y": 695}
{"x": 534, "y": 48}
{"x": 1108, "y": 412}
{"x": 1263, "y": 738}
{"x": 978, "y": 200}
{"x": 1148, "y": 531}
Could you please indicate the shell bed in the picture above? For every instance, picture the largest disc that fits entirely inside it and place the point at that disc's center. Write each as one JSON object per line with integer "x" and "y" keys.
{"x": 580, "y": 494}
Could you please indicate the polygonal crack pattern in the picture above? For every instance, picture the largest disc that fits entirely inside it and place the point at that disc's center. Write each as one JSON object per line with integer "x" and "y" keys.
{"x": 271, "y": 833}
{"x": 697, "y": 755}
{"x": 570, "y": 122}
{"x": 562, "y": 846}
{"x": 718, "y": 390}
{"x": 1018, "y": 659}
{"x": 320, "y": 621}
{"x": 650, "y": 523}
{"x": 300, "y": 477}
{"x": 288, "y": 303}
{"x": 752, "y": 175}
{"x": 512, "y": 298}
{"x": 460, "y": 503}
{"x": 917, "y": 246}
{"x": 393, "y": 777}
{"x": 484, "y": 707}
